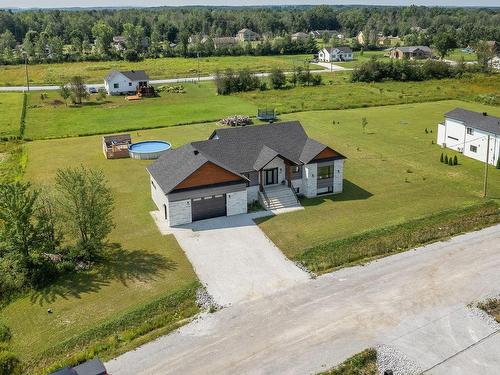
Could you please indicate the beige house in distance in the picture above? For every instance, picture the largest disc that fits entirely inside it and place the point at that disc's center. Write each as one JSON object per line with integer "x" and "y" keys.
{"x": 247, "y": 35}
{"x": 300, "y": 36}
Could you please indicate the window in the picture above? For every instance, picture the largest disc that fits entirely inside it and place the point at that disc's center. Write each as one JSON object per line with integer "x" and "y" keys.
{"x": 295, "y": 168}
{"x": 325, "y": 172}
{"x": 470, "y": 131}
{"x": 473, "y": 148}
{"x": 130, "y": 83}
{"x": 116, "y": 85}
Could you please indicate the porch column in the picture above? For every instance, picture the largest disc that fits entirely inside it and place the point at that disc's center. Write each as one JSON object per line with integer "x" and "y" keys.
{"x": 261, "y": 188}
{"x": 289, "y": 173}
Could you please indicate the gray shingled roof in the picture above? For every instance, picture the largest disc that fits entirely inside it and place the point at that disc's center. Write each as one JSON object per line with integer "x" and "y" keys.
{"x": 93, "y": 367}
{"x": 238, "y": 150}
{"x": 136, "y": 75}
{"x": 476, "y": 120}
{"x": 414, "y": 48}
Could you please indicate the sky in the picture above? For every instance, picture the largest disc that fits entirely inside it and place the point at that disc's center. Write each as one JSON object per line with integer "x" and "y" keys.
{"x": 149, "y": 3}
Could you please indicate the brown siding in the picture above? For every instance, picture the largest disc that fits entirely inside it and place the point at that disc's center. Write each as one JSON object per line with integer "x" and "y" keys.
{"x": 326, "y": 153}
{"x": 208, "y": 174}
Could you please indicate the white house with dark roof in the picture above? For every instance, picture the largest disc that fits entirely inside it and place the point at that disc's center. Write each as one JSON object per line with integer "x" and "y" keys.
{"x": 335, "y": 54}
{"x": 272, "y": 164}
{"x": 468, "y": 132}
{"x": 119, "y": 83}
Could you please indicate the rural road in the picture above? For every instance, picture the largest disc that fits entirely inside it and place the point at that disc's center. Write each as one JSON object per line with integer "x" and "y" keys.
{"x": 154, "y": 81}
{"x": 413, "y": 301}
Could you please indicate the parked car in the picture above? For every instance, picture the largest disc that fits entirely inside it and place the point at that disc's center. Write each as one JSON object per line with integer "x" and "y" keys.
{"x": 92, "y": 90}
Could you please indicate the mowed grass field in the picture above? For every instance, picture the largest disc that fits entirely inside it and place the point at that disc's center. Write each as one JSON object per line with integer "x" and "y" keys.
{"x": 169, "y": 67}
{"x": 147, "y": 266}
{"x": 10, "y": 113}
{"x": 199, "y": 103}
{"x": 338, "y": 92}
{"x": 392, "y": 174}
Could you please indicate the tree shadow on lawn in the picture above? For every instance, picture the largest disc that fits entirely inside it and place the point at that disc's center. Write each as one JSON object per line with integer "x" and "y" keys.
{"x": 351, "y": 192}
{"x": 118, "y": 264}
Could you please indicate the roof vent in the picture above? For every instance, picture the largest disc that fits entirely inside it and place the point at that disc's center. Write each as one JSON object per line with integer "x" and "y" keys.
{"x": 196, "y": 152}
{"x": 485, "y": 113}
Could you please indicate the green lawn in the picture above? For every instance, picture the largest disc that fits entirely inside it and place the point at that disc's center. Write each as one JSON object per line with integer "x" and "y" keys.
{"x": 392, "y": 174}
{"x": 10, "y": 113}
{"x": 339, "y": 93}
{"x": 361, "y": 58}
{"x": 147, "y": 267}
{"x": 170, "y": 67}
{"x": 199, "y": 104}
{"x": 457, "y": 54}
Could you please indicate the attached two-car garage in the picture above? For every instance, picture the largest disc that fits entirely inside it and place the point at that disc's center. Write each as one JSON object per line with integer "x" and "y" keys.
{"x": 208, "y": 207}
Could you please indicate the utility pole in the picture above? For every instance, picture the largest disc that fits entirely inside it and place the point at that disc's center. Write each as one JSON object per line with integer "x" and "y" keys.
{"x": 26, "y": 71}
{"x": 486, "y": 168}
{"x": 198, "y": 58}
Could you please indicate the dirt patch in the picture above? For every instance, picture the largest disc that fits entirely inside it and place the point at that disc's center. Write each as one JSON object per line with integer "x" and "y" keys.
{"x": 56, "y": 102}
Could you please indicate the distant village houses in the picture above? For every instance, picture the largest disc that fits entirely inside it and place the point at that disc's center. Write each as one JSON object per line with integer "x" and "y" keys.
{"x": 247, "y": 35}
{"x": 335, "y": 54}
{"x": 331, "y": 33}
{"x": 224, "y": 41}
{"x": 300, "y": 36}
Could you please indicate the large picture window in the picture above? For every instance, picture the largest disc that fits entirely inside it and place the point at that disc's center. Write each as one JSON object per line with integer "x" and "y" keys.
{"x": 325, "y": 172}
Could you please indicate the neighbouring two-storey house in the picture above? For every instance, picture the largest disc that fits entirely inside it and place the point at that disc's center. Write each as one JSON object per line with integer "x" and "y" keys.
{"x": 247, "y": 35}
{"x": 272, "y": 164}
{"x": 335, "y": 54}
{"x": 476, "y": 135}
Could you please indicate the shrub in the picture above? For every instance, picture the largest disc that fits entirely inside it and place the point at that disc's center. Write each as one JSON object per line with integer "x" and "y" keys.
{"x": 498, "y": 163}
{"x": 5, "y": 334}
{"x": 8, "y": 363}
{"x": 442, "y": 158}
{"x": 455, "y": 160}
{"x": 446, "y": 159}
{"x": 450, "y": 161}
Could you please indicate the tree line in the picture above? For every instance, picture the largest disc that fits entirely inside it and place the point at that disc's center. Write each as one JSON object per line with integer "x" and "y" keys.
{"x": 45, "y": 232}
{"x": 229, "y": 81}
{"x": 73, "y": 35}
{"x": 405, "y": 70}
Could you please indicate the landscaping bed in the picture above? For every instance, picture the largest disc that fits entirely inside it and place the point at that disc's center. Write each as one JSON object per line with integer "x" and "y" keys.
{"x": 492, "y": 307}
{"x": 364, "y": 363}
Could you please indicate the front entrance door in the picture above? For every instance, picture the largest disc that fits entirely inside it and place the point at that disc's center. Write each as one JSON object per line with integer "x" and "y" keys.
{"x": 271, "y": 176}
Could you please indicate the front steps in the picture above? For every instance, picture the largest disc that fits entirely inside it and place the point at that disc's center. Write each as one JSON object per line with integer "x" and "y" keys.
{"x": 276, "y": 197}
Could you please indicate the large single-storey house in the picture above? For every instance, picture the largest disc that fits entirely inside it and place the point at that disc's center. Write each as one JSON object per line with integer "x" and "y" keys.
{"x": 411, "y": 53}
{"x": 220, "y": 176}
{"x": 117, "y": 83}
{"x": 467, "y": 132}
{"x": 335, "y": 54}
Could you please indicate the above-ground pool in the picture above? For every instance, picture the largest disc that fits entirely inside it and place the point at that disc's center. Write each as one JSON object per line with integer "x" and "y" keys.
{"x": 148, "y": 149}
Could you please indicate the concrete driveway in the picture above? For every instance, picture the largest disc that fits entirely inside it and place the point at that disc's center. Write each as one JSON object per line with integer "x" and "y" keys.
{"x": 235, "y": 260}
{"x": 414, "y": 301}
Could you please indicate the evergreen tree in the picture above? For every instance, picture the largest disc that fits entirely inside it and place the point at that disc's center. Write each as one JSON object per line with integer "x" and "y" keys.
{"x": 455, "y": 160}
{"x": 446, "y": 159}
{"x": 442, "y": 158}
